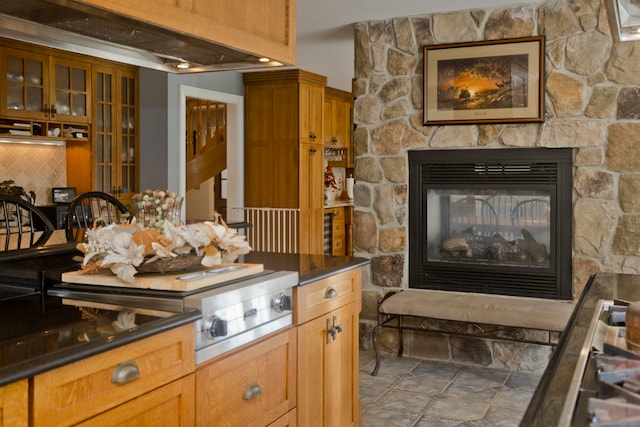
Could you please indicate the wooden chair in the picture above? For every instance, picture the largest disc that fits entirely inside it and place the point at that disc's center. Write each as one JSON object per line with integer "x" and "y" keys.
{"x": 22, "y": 225}
{"x": 473, "y": 212}
{"x": 90, "y": 208}
{"x": 534, "y": 216}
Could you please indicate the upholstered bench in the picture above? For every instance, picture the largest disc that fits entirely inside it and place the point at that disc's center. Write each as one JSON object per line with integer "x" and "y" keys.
{"x": 470, "y": 308}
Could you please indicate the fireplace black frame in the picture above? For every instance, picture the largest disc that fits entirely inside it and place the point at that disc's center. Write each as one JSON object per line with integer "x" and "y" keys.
{"x": 482, "y": 169}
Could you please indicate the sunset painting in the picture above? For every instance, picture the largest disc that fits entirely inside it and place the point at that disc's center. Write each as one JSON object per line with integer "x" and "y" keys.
{"x": 483, "y": 83}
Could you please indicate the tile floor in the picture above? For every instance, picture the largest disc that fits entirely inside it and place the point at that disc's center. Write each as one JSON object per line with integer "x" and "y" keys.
{"x": 419, "y": 393}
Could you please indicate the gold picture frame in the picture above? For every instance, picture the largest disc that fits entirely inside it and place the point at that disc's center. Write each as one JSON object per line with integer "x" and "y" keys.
{"x": 497, "y": 81}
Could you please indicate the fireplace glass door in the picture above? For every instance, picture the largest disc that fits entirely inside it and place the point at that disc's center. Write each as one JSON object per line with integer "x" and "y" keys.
{"x": 501, "y": 227}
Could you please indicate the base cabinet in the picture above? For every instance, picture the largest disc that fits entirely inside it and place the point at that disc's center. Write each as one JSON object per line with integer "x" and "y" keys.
{"x": 254, "y": 386}
{"x": 328, "y": 339}
{"x": 14, "y": 404}
{"x": 134, "y": 375}
{"x": 169, "y": 405}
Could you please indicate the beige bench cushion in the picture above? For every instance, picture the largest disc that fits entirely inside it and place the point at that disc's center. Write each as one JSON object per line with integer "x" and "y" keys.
{"x": 533, "y": 313}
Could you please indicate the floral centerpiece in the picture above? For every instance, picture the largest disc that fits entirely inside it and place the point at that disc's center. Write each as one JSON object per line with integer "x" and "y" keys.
{"x": 159, "y": 245}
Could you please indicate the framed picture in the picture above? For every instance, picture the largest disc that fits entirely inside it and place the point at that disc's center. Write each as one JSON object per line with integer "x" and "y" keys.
{"x": 63, "y": 194}
{"x": 498, "y": 81}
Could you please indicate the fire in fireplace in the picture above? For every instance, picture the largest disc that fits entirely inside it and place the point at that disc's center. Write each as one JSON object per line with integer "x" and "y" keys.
{"x": 491, "y": 221}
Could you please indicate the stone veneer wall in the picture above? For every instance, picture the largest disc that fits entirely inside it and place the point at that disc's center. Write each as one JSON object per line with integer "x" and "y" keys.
{"x": 592, "y": 91}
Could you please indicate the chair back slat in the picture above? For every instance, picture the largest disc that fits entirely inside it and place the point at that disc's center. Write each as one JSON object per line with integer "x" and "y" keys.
{"x": 93, "y": 208}
{"x": 22, "y": 225}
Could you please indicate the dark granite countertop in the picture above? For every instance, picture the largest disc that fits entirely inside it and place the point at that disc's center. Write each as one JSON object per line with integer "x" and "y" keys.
{"x": 310, "y": 267}
{"x": 547, "y": 406}
{"x": 40, "y": 333}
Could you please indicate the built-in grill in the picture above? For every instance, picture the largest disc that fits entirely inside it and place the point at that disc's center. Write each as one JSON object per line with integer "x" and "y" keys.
{"x": 606, "y": 383}
{"x": 234, "y": 313}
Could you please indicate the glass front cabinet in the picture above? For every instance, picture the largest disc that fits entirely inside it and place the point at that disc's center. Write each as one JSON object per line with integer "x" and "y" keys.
{"x": 115, "y": 132}
{"x": 42, "y": 87}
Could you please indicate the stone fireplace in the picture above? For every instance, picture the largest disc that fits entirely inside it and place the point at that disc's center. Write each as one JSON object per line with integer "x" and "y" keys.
{"x": 491, "y": 221}
{"x": 591, "y": 90}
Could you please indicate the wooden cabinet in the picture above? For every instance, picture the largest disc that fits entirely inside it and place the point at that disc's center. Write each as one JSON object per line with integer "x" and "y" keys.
{"x": 14, "y": 404}
{"x": 338, "y": 112}
{"x": 284, "y": 157}
{"x": 90, "y": 103}
{"x": 114, "y": 156}
{"x": 253, "y": 386}
{"x": 266, "y": 28}
{"x": 287, "y": 420}
{"x": 43, "y": 87}
{"x": 126, "y": 375}
{"x": 169, "y": 405}
{"x": 338, "y": 237}
{"x": 327, "y": 313}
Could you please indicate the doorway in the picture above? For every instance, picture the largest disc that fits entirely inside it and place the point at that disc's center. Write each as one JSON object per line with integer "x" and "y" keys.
{"x": 235, "y": 149}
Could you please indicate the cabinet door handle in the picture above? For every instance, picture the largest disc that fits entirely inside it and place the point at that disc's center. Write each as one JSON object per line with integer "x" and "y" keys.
{"x": 337, "y": 327}
{"x": 331, "y": 332}
{"x": 253, "y": 390}
{"x": 125, "y": 372}
{"x": 330, "y": 293}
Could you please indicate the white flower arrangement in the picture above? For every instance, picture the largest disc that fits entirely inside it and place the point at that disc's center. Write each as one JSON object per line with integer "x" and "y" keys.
{"x": 127, "y": 248}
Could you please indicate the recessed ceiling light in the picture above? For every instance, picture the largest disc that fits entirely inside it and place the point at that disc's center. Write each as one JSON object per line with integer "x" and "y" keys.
{"x": 264, "y": 60}
{"x": 183, "y": 65}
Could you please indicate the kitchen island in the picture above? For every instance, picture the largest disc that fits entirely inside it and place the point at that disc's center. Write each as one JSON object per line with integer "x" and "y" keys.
{"x": 554, "y": 402}
{"x": 46, "y": 338}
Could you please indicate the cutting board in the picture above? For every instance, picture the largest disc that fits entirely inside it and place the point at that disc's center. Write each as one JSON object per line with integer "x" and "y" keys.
{"x": 179, "y": 281}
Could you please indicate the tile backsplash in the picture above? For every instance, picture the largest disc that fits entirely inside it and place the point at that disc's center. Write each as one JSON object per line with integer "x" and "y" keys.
{"x": 34, "y": 167}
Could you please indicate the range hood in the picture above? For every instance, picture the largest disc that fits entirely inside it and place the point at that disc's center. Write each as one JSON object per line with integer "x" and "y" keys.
{"x": 86, "y": 29}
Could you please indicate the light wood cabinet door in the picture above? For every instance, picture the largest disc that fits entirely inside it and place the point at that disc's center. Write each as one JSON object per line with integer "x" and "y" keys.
{"x": 311, "y": 198}
{"x": 25, "y": 84}
{"x": 287, "y": 420}
{"x": 41, "y": 87}
{"x": 337, "y": 117}
{"x": 311, "y": 113}
{"x": 327, "y": 315}
{"x": 328, "y": 369}
{"x": 14, "y": 404}
{"x": 70, "y": 90}
{"x": 169, "y": 405}
{"x": 80, "y": 390}
{"x": 115, "y": 144}
{"x": 253, "y": 386}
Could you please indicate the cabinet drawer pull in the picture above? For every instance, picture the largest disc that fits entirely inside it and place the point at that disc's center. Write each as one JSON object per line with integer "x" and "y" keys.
{"x": 253, "y": 390}
{"x": 125, "y": 372}
{"x": 330, "y": 293}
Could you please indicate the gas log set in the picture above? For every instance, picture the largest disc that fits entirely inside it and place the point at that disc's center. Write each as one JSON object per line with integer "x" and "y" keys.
{"x": 469, "y": 244}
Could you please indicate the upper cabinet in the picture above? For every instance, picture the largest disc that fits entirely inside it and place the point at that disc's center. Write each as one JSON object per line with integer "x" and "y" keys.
{"x": 115, "y": 132}
{"x": 41, "y": 87}
{"x": 262, "y": 27}
{"x": 338, "y": 125}
{"x": 337, "y": 113}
